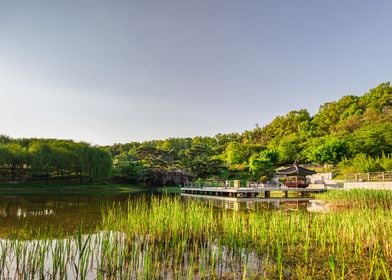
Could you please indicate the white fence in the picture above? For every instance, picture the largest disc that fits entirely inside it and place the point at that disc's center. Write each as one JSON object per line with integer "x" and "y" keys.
{"x": 370, "y": 177}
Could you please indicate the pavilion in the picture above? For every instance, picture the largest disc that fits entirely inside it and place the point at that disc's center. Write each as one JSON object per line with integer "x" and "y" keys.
{"x": 295, "y": 176}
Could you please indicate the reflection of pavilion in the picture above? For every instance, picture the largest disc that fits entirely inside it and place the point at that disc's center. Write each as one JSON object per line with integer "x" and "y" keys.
{"x": 296, "y": 176}
{"x": 255, "y": 204}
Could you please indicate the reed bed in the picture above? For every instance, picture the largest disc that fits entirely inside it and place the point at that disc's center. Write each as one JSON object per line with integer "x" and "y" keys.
{"x": 167, "y": 238}
{"x": 360, "y": 198}
{"x": 351, "y": 244}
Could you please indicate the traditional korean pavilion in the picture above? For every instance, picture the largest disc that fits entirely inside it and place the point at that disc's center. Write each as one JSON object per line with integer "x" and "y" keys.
{"x": 295, "y": 176}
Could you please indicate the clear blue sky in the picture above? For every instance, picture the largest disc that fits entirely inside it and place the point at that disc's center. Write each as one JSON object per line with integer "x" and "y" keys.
{"x": 120, "y": 71}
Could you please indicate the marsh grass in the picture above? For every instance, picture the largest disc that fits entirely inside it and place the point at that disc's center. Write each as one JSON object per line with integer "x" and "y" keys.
{"x": 359, "y": 198}
{"x": 166, "y": 238}
{"x": 351, "y": 244}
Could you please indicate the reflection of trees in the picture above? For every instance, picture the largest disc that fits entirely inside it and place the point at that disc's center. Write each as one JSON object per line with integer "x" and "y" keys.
{"x": 21, "y": 207}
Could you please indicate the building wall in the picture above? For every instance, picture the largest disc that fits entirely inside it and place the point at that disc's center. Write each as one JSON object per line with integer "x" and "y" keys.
{"x": 320, "y": 178}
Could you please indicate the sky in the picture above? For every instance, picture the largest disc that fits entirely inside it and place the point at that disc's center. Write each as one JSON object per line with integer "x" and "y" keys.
{"x": 117, "y": 71}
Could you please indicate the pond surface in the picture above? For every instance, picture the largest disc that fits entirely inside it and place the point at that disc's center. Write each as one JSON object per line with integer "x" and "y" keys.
{"x": 69, "y": 213}
{"x": 64, "y": 237}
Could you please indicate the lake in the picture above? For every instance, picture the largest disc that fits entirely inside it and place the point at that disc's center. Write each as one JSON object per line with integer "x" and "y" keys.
{"x": 69, "y": 213}
{"x": 155, "y": 236}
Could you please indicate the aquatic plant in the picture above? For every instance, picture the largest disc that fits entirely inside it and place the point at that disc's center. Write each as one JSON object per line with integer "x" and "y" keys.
{"x": 168, "y": 238}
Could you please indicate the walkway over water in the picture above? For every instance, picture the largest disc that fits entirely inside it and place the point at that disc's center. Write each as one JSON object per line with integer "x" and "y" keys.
{"x": 234, "y": 189}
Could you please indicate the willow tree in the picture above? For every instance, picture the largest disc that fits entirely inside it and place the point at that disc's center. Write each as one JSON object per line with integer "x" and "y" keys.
{"x": 41, "y": 163}
{"x": 14, "y": 157}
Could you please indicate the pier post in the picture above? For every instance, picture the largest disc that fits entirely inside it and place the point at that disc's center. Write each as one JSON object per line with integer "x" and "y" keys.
{"x": 267, "y": 194}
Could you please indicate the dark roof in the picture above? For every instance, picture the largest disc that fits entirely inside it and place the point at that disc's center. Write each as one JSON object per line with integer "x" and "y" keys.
{"x": 295, "y": 170}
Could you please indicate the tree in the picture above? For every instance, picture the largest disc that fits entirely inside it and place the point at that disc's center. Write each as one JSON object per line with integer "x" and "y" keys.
{"x": 330, "y": 114}
{"x": 263, "y": 164}
{"x": 361, "y": 163}
{"x": 41, "y": 159}
{"x": 289, "y": 149}
{"x": 236, "y": 153}
{"x": 126, "y": 166}
{"x": 14, "y": 156}
{"x": 330, "y": 151}
{"x": 372, "y": 139}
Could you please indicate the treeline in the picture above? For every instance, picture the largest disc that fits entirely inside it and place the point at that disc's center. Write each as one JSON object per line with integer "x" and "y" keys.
{"x": 344, "y": 133}
{"x": 353, "y": 134}
{"x": 51, "y": 159}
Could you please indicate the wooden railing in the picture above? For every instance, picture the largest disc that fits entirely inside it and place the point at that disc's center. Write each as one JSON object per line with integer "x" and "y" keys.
{"x": 227, "y": 184}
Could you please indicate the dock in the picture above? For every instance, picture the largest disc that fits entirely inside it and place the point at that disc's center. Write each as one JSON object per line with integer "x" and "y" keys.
{"x": 250, "y": 190}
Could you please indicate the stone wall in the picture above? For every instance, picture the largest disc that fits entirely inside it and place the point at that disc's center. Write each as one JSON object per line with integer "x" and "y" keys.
{"x": 368, "y": 185}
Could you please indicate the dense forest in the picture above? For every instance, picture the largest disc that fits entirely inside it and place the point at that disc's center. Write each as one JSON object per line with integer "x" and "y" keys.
{"x": 353, "y": 134}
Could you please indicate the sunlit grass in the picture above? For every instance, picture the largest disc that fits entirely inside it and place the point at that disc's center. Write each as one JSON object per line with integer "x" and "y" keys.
{"x": 360, "y": 198}
{"x": 167, "y": 238}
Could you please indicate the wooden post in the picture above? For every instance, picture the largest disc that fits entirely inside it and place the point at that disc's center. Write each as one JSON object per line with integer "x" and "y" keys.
{"x": 267, "y": 194}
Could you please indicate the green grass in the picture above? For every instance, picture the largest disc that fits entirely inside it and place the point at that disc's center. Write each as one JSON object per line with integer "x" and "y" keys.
{"x": 167, "y": 238}
{"x": 72, "y": 189}
{"x": 359, "y": 198}
{"x": 353, "y": 244}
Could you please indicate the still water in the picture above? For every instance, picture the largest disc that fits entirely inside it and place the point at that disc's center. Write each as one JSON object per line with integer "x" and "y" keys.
{"x": 70, "y": 213}
{"x": 90, "y": 253}
{"x": 67, "y": 213}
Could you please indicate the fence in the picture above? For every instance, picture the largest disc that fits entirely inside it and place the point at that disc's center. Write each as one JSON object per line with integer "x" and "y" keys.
{"x": 369, "y": 177}
{"x": 229, "y": 184}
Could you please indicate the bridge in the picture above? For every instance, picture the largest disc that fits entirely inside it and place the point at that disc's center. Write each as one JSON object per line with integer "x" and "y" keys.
{"x": 247, "y": 190}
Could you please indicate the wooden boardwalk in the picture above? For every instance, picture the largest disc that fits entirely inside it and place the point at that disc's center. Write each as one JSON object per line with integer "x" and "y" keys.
{"x": 250, "y": 192}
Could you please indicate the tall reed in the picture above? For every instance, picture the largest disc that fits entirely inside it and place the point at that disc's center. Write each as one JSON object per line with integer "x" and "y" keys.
{"x": 167, "y": 238}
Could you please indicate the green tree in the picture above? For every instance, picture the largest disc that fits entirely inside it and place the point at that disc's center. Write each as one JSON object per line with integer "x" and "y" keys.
{"x": 236, "y": 153}
{"x": 330, "y": 151}
{"x": 263, "y": 164}
{"x": 361, "y": 163}
{"x": 289, "y": 148}
{"x": 372, "y": 139}
{"x": 14, "y": 156}
{"x": 332, "y": 113}
{"x": 41, "y": 159}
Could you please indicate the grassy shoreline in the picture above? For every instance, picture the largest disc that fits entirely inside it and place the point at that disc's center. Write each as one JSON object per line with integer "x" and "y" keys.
{"x": 77, "y": 189}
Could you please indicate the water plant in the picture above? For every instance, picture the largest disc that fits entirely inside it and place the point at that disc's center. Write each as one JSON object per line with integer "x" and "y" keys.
{"x": 168, "y": 238}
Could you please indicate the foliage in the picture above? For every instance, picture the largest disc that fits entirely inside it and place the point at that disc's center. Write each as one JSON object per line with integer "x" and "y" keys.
{"x": 363, "y": 163}
{"x": 263, "y": 164}
{"x": 32, "y": 159}
{"x": 330, "y": 150}
{"x": 354, "y": 132}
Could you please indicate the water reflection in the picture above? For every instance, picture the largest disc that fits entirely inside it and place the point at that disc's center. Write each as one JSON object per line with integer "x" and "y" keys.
{"x": 68, "y": 213}
{"x": 319, "y": 206}
{"x": 114, "y": 255}
{"x": 71, "y": 213}
{"x": 251, "y": 204}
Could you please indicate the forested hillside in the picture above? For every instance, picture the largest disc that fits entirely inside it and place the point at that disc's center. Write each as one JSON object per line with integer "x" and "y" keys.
{"x": 353, "y": 133}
